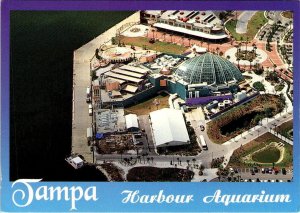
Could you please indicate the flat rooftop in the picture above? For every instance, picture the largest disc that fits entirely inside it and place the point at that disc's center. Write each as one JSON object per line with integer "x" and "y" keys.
{"x": 108, "y": 120}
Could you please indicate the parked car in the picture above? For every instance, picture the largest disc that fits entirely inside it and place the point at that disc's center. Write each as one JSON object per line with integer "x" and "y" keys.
{"x": 255, "y": 169}
{"x": 270, "y": 171}
{"x": 283, "y": 170}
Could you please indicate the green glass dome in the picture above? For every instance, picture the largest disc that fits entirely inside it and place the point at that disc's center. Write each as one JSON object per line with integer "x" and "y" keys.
{"x": 209, "y": 68}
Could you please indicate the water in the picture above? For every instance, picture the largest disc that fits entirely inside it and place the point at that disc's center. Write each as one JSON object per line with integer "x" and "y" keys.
{"x": 42, "y": 45}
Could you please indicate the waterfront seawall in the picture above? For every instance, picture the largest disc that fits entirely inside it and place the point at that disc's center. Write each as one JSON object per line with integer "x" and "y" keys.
{"x": 81, "y": 80}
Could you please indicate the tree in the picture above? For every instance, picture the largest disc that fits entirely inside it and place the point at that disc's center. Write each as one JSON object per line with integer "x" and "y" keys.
{"x": 258, "y": 86}
{"x": 153, "y": 32}
{"x": 217, "y": 49}
{"x": 238, "y": 60}
{"x": 93, "y": 75}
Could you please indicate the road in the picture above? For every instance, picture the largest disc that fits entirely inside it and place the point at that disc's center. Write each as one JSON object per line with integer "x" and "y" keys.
{"x": 81, "y": 119}
{"x": 227, "y": 148}
{"x": 242, "y": 22}
{"x": 214, "y": 150}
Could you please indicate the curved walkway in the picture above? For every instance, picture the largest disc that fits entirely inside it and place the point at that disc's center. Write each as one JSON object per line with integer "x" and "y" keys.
{"x": 243, "y": 19}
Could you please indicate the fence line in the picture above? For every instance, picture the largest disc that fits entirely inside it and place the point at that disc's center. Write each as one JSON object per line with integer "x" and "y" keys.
{"x": 280, "y": 136}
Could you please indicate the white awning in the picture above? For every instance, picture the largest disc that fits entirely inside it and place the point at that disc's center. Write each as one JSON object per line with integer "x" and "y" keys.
{"x": 190, "y": 32}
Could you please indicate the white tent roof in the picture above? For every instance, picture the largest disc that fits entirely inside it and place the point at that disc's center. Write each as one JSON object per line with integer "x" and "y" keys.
{"x": 190, "y": 32}
{"x": 169, "y": 127}
{"x": 131, "y": 121}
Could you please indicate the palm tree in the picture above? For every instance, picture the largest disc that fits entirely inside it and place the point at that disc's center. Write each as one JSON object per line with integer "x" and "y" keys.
{"x": 254, "y": 48}
{"x": 194, "y": 160}
{"x": 250, "y": 60}
{"x": 246, "y": 43}
{"x": 153, "y": 33}
{"x": 164, "y": 35}
{"x": 217, "y": 49}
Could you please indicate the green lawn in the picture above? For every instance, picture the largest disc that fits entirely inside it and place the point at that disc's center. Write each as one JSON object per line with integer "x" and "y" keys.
{"x": 159, "y": 46}
{"x": 236, "y": 160}
{"x": 268, "y": 155}
{"x": 256, "y": 22}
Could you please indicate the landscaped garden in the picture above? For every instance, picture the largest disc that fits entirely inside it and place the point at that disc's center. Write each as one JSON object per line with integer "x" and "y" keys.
{"x": 246, "y": 55}
{"x": 154, "y": 174}
{"x": 164, "y": 47}
{"x": 259, "y": 86}
{"x": 286, "y": 129}
{"x": 256, "y": 22}
{"x": 268, "y": 155}
{"x": 114, "y": 172}
{"x": 263, "y": 151}
{"x": 244, "y": 117}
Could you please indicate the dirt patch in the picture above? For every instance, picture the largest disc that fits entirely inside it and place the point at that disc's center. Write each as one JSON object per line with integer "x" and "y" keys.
{"x": 144, "y": 108}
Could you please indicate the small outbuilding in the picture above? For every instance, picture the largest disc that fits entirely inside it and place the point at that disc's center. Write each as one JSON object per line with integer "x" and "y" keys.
{"x": 132, "y": 123}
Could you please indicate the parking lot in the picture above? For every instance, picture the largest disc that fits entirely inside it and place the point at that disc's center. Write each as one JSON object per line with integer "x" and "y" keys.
{"x": 261, "y": 175}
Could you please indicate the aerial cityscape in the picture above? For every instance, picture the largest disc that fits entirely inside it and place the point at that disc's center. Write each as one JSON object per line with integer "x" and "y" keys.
{"x": 201, "y": 96}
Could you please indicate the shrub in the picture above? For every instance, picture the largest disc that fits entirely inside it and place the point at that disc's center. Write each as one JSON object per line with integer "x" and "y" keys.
{"x": 259, "y": 86}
